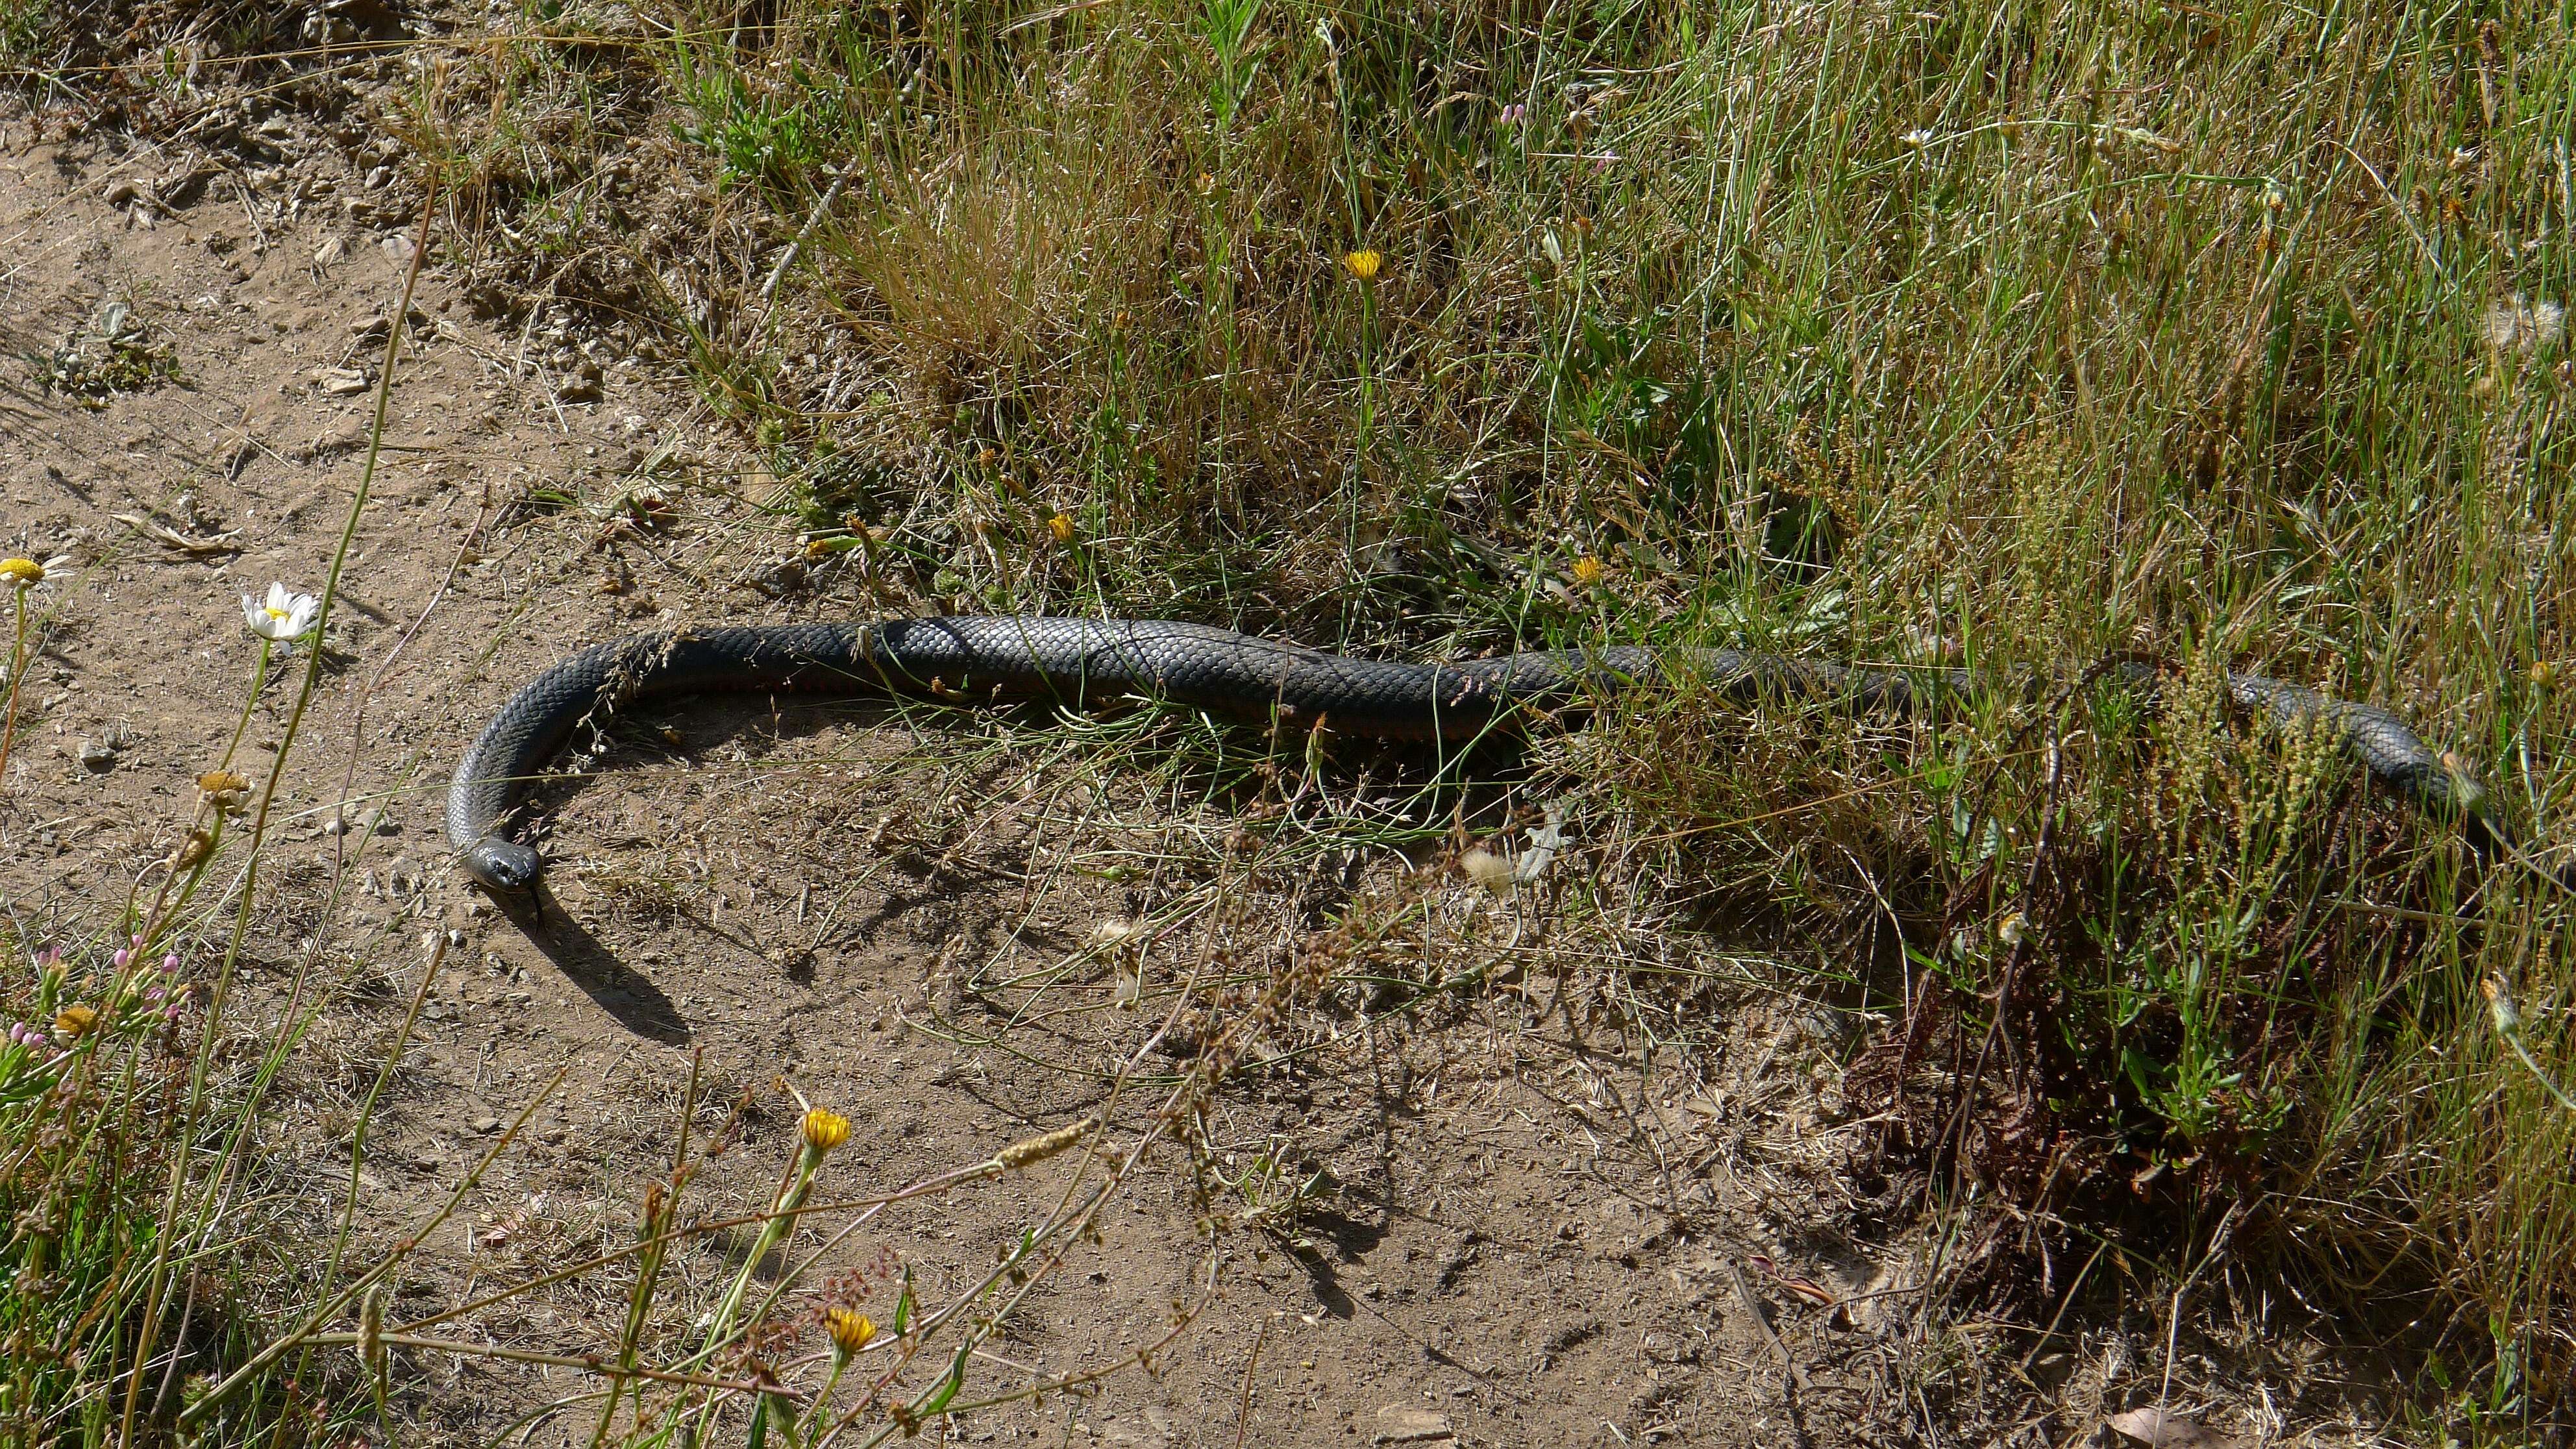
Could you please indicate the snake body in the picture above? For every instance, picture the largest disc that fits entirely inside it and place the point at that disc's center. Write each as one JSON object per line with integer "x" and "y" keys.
{"x": 1084, "y": 662}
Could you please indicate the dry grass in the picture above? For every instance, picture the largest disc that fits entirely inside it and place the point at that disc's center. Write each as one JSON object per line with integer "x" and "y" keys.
{"x": 2011, "y": 334}
{"x": 2014, "y": 335}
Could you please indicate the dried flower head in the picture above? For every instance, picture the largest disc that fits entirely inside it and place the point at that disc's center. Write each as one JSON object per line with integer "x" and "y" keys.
{"x": 76, "y": 1020}
{"x": 1029, "y": 1151}
{"x": 1062, "y": 527}
{"x": 824, "y": 1130}
{"x": 850, "y": 1329}
{"x": 1487, "y": 869}
{"x": 2522, "y": 326}
{"x": 2500, "y": 1004}
{"x": 1364, "y": 264}
{"x": 222, "y": 789}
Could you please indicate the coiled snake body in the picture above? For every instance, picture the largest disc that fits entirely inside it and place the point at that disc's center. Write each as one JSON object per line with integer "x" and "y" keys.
{"x": 1089, "y": 661}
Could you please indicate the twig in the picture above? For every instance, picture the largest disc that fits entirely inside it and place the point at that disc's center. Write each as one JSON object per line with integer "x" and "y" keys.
{"x": 1753, "y": 1305}
{"x": 1243, "y": 1414}
{"x": 805, "y": 233}
{"x": 589, "y": 1362}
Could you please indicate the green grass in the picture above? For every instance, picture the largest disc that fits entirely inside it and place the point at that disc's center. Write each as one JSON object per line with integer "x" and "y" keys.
{"x": 2010, "y": 334}
{"x": 2013, "y": 334}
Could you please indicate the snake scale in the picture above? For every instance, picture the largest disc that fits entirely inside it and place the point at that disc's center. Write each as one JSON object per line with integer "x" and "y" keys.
{"x": 1083, "y": 662}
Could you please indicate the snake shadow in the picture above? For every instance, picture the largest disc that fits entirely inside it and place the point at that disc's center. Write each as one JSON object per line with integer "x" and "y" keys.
{"x": 714, "y": 720}
{"x": 627, "y": 995}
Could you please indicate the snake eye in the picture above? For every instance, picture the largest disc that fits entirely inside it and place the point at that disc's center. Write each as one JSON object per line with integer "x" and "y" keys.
{"x": 502, "y": 865}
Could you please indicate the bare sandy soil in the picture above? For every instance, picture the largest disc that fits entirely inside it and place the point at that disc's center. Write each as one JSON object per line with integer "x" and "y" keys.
{"x": 1527, "y": 1219}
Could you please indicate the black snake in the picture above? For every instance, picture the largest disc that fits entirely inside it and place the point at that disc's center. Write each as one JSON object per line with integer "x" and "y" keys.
{"x": 1089, "y": 661}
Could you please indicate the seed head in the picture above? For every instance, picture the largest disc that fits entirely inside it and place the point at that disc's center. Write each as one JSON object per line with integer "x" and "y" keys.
{"x": 222, "y": 789}
{"x": 824, "y": 1130}
{"x": 1029, "y": 1151}
{"x": 2500, "y": 1004}
{"x": 1487, "y": 869}
{"x": 1364, "y": 264}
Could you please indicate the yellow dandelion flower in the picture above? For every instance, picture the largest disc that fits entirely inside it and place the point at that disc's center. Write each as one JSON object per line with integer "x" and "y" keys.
{"x": 850, "y": 1329}
{"x": 824, "y": 1130}
{"x": 1589, "y": 570}
{"x": 76, "y": 1020}
{"x": 1062, "y": 527}
{"x": 24, "y": 573}
{"x": 1364, "y": 264}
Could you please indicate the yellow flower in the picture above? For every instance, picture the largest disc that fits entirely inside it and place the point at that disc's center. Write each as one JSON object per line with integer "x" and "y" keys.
{"x": 1364, "y": 264}
{"x": 75, "y": 1020}
{"x": 850, "y": 1329}
{"x": 2544, "y": 673}
{"x": 825, "y": 1130}
{"x": 1062, "y": 527}
{"x": 24, "y": 573}
{"x": 1588, "y": 570}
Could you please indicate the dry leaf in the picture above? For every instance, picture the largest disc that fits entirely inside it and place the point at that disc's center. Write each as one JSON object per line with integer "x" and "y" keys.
{"x": 220, "y": 543}
{"x": 2159, "y": 1430}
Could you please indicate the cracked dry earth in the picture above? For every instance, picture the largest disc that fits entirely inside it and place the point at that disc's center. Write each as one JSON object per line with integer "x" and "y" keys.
{"x": 1526, "y": 1230}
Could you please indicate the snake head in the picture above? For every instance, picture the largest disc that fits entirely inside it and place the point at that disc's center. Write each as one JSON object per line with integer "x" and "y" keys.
{"x": 502, "y": 866}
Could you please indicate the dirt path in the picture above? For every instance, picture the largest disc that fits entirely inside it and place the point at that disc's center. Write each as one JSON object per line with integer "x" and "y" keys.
{"x": 898, "y": 914}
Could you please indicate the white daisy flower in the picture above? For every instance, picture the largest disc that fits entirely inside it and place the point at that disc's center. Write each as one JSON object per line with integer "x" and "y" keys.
{"x": 27, "y": 573}
{"x": 283, "y": 616}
